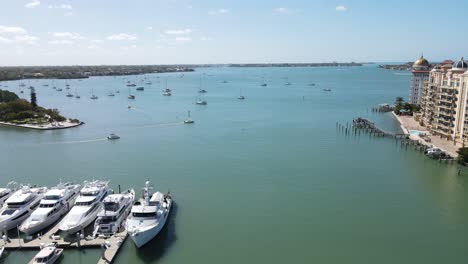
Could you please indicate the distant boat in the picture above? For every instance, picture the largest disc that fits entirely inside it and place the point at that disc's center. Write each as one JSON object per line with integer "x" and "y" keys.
{"x": 21, "y": 91}
{"x": 311, "y": 84}
{"x": 130, "y": 95}
{"x": 149, "y": 83}
{"x": 118, "y": 91}
{"x": 167, "y": 91}
{"x": 140, "y": 88}
{"x": 263, "y": 82}
{"x": 113, "y": 136}
{"x": 111, "y": 94}
{"x": 327, "y": 90}
{"x": 76, "y": 94}
{"x": 45, "y": 85}
{"x": 201, "y": 101}
{"x": 22, "y": 85}
{"x": 93, "y": 96}
{"x": 131, "y": 85}
{"x": 59, "y": 90}
{"x": 225, "y": 81}
{"x": 188, "y": 120}
{"x": 69, "y": 95}
{"x": 241, "y": 97}
{"x": 200, "y": 90}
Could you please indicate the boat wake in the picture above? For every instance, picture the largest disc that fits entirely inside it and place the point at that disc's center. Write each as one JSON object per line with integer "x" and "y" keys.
{"x": 77, "y": 141}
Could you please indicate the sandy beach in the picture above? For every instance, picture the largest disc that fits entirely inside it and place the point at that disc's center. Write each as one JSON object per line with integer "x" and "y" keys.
{"x": 408, "y": 123}
{"x": 49, "y": 126}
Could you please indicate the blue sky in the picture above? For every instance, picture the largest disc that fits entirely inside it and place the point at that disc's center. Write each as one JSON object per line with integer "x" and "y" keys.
{"x": 67, "y": 32}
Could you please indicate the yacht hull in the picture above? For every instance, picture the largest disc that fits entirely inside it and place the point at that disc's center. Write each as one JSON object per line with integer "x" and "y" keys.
{"x": 141, "y": 238}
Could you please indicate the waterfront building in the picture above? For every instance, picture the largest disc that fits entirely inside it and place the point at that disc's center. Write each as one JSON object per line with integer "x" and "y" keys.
{"x": 444, "y": 101}
{"x": 420, "y": 70}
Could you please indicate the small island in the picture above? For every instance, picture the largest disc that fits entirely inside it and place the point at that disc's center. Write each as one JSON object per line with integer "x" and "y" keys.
{"x": 18, "y": 112}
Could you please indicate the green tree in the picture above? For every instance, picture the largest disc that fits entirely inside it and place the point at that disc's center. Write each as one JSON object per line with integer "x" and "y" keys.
{"x": 33, "y": 98}
{"x": 462, "y": 155}
{"x": 399, "y": 101}
{"x": 7, "y": 96}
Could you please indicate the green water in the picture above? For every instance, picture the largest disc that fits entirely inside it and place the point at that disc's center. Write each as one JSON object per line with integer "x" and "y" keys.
{"x": 264, "y": 180}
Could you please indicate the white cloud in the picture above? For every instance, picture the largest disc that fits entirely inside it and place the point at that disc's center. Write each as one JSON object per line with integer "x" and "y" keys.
{"x": 183, "y": 39}
{"x": 149, "y": 28}
{"x": 61, "y": 42}
{"x": 97, "y": 41}
{"x": 26, "y": 39}
{"x": 5, "y": 40}
{"x": 68, "y": 14}
{"x": 340, "y": 8}
{"x": 12, "y": 30}
{"x": 220, "y": 11}
{"x": 282, "y": 10}
{"x": 178, "y": 31}
{"x": 33, "y": 4}
{"x": 206, "y": 38}
{"x": 62, "y": 6}
{"x": 70, "y": 35}
{"x": 122, "y": 36}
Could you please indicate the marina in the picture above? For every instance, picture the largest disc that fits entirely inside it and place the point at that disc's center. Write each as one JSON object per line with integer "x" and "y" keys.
{"x": 280, "y": 140}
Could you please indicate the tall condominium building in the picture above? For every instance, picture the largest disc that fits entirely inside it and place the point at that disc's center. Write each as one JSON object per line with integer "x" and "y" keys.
{"x": 444, "y": 101}
{"x": 420, "y": 76}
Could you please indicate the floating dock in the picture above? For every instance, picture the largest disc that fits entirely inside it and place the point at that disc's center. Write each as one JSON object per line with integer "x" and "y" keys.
{"x": 109, "y": 245}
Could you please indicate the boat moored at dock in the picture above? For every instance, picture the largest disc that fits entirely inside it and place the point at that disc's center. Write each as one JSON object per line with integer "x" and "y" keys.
{"x": 48, "y": 254}
{"x": 148, "y": 216}
{"x": 114, "y": 212}
{"x": 56, "y": 203}
{"x": 19, "y": 206}
{"x": 86, "y": 207}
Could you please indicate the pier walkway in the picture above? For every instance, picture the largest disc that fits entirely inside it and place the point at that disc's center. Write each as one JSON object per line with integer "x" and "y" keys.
{"x": 109, "y": 245}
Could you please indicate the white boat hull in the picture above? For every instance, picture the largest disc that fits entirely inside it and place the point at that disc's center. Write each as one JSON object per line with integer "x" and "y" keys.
{"x": 32, "y": 229}
{"x": 140, "y": 238}
{"x": 82, "y": 225}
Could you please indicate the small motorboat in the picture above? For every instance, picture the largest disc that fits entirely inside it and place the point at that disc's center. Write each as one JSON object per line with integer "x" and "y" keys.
{"x": 327, "y": 90}
{"x": 113, "y": 136}
{"x": 69, "y": 95}
{"x": 225, "y": 81}
{"x": 202, "y": 91}
{"x": 111, "y": 94}
{"x": 77, "y": 96}
{"x": 94, "y": 97}
{"x": 59, "y": 89}
{"x": 167, "y": 93}
{"x": 131, "y": 85}
{"x": 140, "y": 88}
{"x": 201, "y": 102}
{"x": 48, "y": 254}
{"x": 131, "y": 97}
{"x": 263, "y": 84}
{"x": 241, "y": 97}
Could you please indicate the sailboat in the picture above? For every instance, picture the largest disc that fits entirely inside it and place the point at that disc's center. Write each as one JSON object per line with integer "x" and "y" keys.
{"x": 241, "y": 97}
{"x": 200, "y": 89}
{"x": 76, "y": 95}
{"x": 188, "y": 120}
{"x": 130, "y": 96}
{"x": 167, "y": 91}
{"x": 93, "y": 96}
{"x": 287, "y": 81}
{"x": 263, "y": 82}
{"x": 201, "y": 101}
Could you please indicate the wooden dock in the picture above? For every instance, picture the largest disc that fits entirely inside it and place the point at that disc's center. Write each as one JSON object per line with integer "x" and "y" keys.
{"x": 109, "y": 245}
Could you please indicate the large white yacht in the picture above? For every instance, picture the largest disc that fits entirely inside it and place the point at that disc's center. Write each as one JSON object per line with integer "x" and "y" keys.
{"x": 113, "y": 215}
{"x": 4, "y": 194}
{"x": 19, "y": 206}
{"x": 56, "y": 203}
{"x": 148, "y": 216}
{"x": 86, "y": 207}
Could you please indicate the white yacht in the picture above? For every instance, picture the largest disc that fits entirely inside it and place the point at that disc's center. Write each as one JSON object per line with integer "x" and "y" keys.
{"x": 4, "y": 194}
{"x": 56, "y": 203}
{"x": 112, "y": 217}
{"x": 188, "y": 120}
{"x": 86, "y": 207}
{"x": 148, "y": 216}
{"x": 48, "y": 255}
{"x": 19, "y": 206}
{"x": 113, "y": 136}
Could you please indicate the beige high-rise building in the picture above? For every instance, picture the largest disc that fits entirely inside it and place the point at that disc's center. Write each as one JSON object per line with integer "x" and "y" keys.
{"x": 421, "y": 68}
{"x": 444, "y": 101}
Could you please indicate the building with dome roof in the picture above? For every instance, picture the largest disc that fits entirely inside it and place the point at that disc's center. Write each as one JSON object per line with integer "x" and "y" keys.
{"x": 420, "y": 70}
{"x": 444, "y": 101}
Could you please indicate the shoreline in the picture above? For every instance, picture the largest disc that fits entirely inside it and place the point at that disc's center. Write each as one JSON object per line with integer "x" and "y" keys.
{"x": 408, "y": 123}
{"x": 61, "y": 125}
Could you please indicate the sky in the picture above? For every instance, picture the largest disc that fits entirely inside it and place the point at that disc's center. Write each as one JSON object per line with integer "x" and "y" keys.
{"x": 97, "y": 32}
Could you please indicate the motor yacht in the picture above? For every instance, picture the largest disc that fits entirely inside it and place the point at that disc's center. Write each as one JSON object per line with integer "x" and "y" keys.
{"x": 19, "y": 206}
{"x": 112, "y": 217}
{"x": 148, "y": 216}
{"x": 113, "y": 136}
{"x": 48, "y": 255}
{"x": 86, "y": 207}
{"x": 56, "y": 203}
